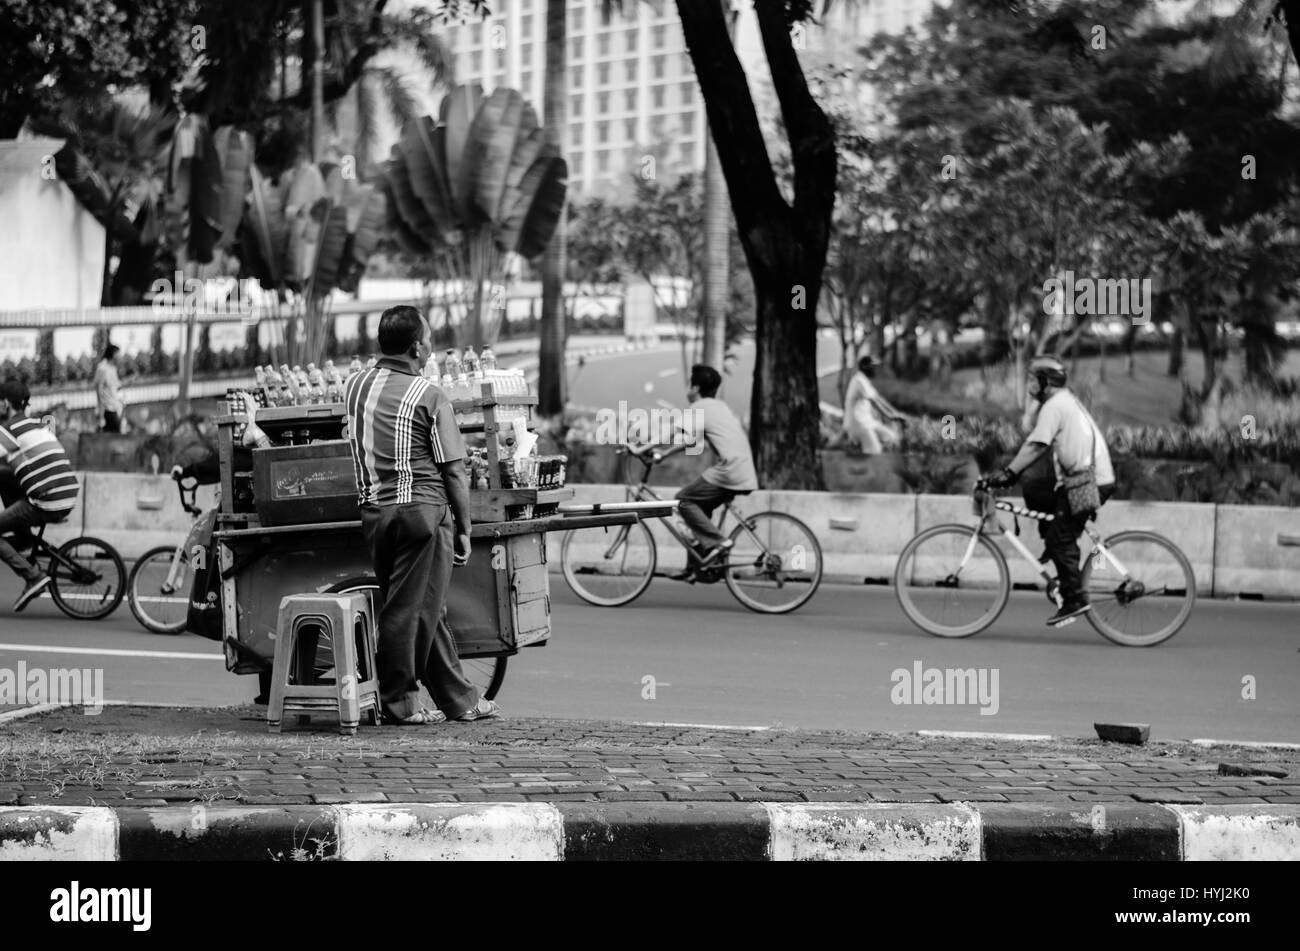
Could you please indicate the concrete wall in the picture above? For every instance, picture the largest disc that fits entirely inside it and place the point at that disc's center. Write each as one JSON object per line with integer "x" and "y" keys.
{"x": 1233, "y": 549}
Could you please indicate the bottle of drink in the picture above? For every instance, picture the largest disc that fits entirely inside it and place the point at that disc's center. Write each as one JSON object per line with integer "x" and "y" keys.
{"x": 488, "y": 361}
{"x": 452, "y": 372}
{"x": 473, "y": 371}
{"x": 260, "y": 374}
{"x": 316, "y": 379}
{"x": 333, "y": 384}
{"x": 355, "y": 366}
{"x": 290, "y": 389}
{"x": 304, "y": 385}
{"x": 431, "y": 368}
{"x": 370, "y": 364}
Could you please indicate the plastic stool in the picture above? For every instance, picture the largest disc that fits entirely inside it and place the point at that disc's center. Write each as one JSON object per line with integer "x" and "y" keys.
{"x": 346, "y": 620}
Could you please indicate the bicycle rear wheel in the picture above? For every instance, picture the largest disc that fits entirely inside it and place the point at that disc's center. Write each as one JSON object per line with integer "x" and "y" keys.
{"x": 486, "y": 673}
{"x": 158, "y": 590}
{"x": 952, "y": 581}
{"x": 89, "y": 578}
{"x": 775, "y": 563}
{"x": 1142, "y": 589}
{"x": 609, "y": 567}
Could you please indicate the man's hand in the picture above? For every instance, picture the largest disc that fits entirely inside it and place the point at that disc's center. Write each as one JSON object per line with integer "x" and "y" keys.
{"x": 460, "y": 556}
{"x": 1002, "y": 479}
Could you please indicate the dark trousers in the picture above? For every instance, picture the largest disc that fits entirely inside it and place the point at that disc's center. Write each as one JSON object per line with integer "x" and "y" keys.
{"x": 411, "y": 548}
{"x": 112, "y": 422}
{"x": 697, "y": 502}
{"x": 1061, "y": 535}
{"x": 19, "y": 518}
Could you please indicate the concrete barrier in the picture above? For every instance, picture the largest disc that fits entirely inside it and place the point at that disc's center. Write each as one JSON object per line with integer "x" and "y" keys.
{"x": 1233, "y": 549}
{"x": 1250, "y": 556}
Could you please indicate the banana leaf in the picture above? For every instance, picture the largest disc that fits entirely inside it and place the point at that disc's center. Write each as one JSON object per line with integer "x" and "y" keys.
{"x": 465, "y": 101}
{"x": 330, "y": 248}
{"x": 364, "y": 237}
{"x": 537, "y": 210}
{"x": 335, "y": 185}
{"x": 406, "y": 239}
{"x": 270, "y": 230}
{"x": 525, "y": 154}
{"x": 409, "y": 207}
{"x": 492, "y": 142}
{"x": 426, "y": 168}
{"x": 235, "y": 151}
{"x": 305, "y": 215}
{"x": 205, "y": 191}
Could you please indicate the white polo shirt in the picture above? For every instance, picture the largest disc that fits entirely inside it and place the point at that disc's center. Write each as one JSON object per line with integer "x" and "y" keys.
{"x": 1069, "y": 429}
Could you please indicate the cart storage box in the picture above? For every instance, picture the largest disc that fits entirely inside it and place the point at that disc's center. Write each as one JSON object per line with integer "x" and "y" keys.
{"x": 297, "y": 485}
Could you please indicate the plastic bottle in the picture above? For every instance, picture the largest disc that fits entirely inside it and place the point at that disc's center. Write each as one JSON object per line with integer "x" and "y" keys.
{"x": 488, "y": 361}
{"x": 304, "y": 385}
{"x": 260, "y": 374}
{"x": 333, "y": 383}
{"x": 355, "y": 366}
{"x": 370, "y": 364}
{"x": 473, "y": 370}
{"x": 431, "y": 368}
{"x": 315, "y": 384}
{"x": 289, "y": 391}
{"x": 452, "y": 376}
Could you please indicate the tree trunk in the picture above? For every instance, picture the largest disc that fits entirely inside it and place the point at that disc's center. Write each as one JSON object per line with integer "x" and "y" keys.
{"x": 551, "y": 395}
{"x": 317, "y": 81}
{"x": 784, "y": 398}
{"x": 1177, "y": 353}
{"x": 717, "y": 238}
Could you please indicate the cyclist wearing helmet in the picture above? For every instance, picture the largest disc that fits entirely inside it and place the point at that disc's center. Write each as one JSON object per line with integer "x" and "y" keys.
{"x": 1076, "y": 442}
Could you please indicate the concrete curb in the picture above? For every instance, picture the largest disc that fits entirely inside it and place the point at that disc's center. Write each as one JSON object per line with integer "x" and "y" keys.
{"x": 572, "y": 831}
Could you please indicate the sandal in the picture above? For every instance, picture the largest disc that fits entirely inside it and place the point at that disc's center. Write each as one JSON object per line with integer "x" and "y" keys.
{"x": 483, "y": 710}
{"x": 422, "y": 717}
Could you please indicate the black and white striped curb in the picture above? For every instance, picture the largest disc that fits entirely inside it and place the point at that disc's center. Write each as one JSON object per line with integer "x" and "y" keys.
{"x": 637, "y": 830}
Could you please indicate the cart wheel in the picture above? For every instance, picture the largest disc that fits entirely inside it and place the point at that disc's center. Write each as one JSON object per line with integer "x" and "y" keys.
{"x": 486, "y": 673}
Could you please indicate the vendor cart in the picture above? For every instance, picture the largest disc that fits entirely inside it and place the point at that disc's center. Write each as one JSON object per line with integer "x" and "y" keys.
{"x": 289, "y": 523}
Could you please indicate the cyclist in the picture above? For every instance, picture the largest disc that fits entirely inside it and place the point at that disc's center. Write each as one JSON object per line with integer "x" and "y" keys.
{"x": 731, "y": 474}
{"x": 1076, "y": 442}
{"x": 49, "y": 486}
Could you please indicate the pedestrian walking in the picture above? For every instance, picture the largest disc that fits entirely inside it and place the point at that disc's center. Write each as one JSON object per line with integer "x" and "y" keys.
{"x": 414, "y": 496}
{"x": 108, "y": 390}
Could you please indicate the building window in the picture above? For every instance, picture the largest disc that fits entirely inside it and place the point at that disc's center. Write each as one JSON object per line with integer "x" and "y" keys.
{"x": 575, "y": 166}
{"x": 575, "y": 135}
{"x": 661, "y": 36}
{"x": 656, "y": 127}
{"x": 687, "y": 151}
{"x": 658, "y": 94}
{"x": 526, "y": 54}
{"x": 602, "y": 44}
{"x": 575, "y": 77}
{"x": 659, "y": 67}
{"x": 688, "y": 123}
{"x": 476, "y": 34}
{"x": 526, "y": 26}
{"x": 602, "y": 104}
{"x": 525, "y": 82}
{"x": 500, "y": 59}
{"x": 688, "y": 93}
{"x": 602, "y": 132}
{"x": 629, "y": 70}
{"x": 602, "y": 161}
{"x": 629, "y": 129}
{"x": 602, "y": 74}
{"x": 576, "y": 19}
{"x": 575, "y": 47}
{"x": 476, "y": 62}
{"x": 575, "y": 105}
{"x": 687, "y": 67}
{"x": 629, "y": 39}
{"x": 658, "y": 7}
{"x": 629, "y": 100}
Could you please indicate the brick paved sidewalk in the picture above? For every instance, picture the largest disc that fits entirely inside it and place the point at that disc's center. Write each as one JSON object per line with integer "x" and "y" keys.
{"x": 152, "y": 757}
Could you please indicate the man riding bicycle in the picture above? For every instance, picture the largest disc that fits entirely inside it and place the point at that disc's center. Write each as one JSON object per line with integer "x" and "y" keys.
{"x": 48, "y": 486}
{"x": 732, "y": 472}
{"x": 1076, "y": 442}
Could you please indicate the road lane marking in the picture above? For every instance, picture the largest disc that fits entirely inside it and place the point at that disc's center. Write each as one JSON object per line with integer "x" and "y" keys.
{"x": 109, "y": 652}
{"x": 666, "y": 373}
{"x": 1249, "y": 744}
{"x": 958, "y": 735}
{"x": 708, "y": 726}
{"x": 31, "y": 711}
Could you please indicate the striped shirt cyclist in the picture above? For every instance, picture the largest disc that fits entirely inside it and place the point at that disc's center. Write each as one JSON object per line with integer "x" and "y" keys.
{"x": 41, "y": 465}
{"x": 401, "y": 427}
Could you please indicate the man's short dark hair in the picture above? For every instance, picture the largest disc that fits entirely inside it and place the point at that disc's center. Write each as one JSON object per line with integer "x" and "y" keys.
{"x": 706, "y": 379}
{"x": 15, "y": 391}
{"x": 400, "y": 328}
{"x": 111, "y": 351}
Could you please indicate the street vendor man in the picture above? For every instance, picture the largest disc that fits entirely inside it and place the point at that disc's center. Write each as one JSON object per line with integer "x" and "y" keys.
{"x": 413, "y": 490}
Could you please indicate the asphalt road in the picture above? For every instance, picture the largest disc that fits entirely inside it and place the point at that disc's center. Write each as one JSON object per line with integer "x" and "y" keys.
{"x": 828, "y": 666}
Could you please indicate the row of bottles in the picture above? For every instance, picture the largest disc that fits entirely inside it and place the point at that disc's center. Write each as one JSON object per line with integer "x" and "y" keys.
{"x": 299, "y": 387}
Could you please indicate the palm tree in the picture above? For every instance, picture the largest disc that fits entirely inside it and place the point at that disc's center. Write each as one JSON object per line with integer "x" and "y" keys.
{"x": 551, "y": 394}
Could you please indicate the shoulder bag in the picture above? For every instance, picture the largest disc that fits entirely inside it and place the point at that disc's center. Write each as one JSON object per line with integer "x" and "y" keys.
{"x": 1081, "y": 492}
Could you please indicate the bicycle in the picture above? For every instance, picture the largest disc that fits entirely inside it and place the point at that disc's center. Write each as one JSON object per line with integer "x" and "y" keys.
{"x": 87, "y": 574}
{"x": 953, "y": 569}
{"x": 158, "y": 590}
{"x": 774, "y": 555}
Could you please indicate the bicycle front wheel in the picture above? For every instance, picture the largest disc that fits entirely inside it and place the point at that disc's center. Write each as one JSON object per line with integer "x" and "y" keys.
{"x": 952, "y": 581}
{"x": 89, "y": 579}
{"x": 609, "y": 567}
{"x": 158, "y": 590}
{"x": 485, "y": 673}
{"x": 775, "y": 563}
{"x": 1141, "y": 587}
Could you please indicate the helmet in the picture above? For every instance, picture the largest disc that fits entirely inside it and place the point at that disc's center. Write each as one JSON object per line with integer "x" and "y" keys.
{"x": 1048, "y": 369}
